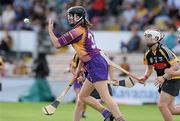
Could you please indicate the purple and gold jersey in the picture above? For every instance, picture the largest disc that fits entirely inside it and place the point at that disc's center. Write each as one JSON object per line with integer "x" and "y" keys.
{"x": 82, "y": 41}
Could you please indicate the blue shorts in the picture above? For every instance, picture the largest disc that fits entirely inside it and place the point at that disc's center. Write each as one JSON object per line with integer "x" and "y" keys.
{"x": 77, "y": 85}
{"x": 97, "y": 69}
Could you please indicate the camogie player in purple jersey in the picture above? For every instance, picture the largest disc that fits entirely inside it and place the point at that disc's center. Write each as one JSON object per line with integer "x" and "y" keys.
{"x": 79, "y": 82}
{"x": 82, "y": 40}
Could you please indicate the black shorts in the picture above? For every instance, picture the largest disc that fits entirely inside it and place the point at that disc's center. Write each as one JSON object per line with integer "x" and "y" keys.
{"x": 171, "y": 87}
{"x": 95, "y": 94}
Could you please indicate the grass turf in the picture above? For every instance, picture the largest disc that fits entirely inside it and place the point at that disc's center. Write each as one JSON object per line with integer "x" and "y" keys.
{"x": 32, "y": 112}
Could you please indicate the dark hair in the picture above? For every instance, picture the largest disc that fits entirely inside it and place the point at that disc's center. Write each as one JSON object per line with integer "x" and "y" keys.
{"x": 86, "y": 24}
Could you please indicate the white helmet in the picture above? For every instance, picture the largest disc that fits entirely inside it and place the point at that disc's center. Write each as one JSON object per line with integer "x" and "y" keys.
{"x": 154, "y": 34}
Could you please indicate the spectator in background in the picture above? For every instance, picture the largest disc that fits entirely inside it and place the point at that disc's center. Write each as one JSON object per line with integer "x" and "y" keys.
{"x": 6, "y": 43}
{"x": 127, "y": 16}
{"x": 125, "y": 65}
{"x": 134, "y": 42}
{"x": 176, "y": 49}
{"x": 98, "y": 8}
{"x": 8, "y": 17}
{"x": 20, "y": 68}
{"x": 40, "y": 90}
{"x": 1, "y": 71}
{"x": 171, "y": 40}
{"x": 141, "y": 16}
{"x": 173, "y": 6}
{"x": 115, "y": 6}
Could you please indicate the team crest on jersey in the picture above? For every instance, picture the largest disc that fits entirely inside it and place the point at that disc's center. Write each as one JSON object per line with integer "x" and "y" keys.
{"x": 160, "y": 59}
{"x": 151, "y": 60}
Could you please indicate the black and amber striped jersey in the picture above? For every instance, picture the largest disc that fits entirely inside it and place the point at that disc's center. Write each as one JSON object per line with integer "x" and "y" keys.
{"x": 160, "y": 59}
{"x": 1, "y": 63}
{"x": 75, "y": 61}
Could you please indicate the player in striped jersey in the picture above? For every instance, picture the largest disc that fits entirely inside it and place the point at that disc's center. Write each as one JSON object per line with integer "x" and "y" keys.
{"x": 1, "y": 69}
{"x": 159, "y": 58}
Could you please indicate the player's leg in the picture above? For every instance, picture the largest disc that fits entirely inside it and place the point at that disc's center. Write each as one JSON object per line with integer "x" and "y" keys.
{"x": 102, "y": 88}
{"x": 77, "y": 88}
{"x": 79, "y": 102}
{"x": 94, "y": 103}
{"x": 165, "y": 100}
{"x": 175, "y": 110}
{"x": 98, "y": 74}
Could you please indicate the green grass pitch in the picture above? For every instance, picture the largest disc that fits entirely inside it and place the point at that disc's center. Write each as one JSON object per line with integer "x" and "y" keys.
{"x": 32, "y": 112}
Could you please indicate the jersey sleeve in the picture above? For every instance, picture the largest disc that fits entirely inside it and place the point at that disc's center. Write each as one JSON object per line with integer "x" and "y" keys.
{"x": 70, "y": 37}
{"x": 169, "y": 55}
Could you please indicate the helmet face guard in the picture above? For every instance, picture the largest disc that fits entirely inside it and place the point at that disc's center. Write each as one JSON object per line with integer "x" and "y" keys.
{"x": 76, "y": 15}
{"x": 153, "y": 36}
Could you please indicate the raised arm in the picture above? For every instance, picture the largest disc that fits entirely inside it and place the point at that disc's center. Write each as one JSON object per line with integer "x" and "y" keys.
{"x": 53, "y": 37}
{"x": 69, "y": 37}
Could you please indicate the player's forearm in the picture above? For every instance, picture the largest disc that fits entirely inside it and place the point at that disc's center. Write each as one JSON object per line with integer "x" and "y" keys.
{"x": 173, "y": 71}
{"x": 54, "y": 40}
{"x": 176, "y": 73}
{"x": 148, "y": 72}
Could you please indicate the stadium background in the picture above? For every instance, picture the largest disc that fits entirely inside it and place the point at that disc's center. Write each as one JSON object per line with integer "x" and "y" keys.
{"x": 115, "y": 23}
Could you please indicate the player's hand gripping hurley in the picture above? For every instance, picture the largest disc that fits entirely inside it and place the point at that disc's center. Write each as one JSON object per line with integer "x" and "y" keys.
{"x": 51, "y": 108}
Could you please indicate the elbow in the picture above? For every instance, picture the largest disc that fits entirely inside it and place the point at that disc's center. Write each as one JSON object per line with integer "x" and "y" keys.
{"x": 57, "y": 46}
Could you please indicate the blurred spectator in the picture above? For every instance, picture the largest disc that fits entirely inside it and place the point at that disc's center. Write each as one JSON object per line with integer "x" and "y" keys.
{"x": 40, "y": 90}
{"x": 44, "y": 45}
{"x": 142, "y": 15}
{"x": 50, "y": 13}
{"x": 147, "y": 12}
{"x": 1, "y": 64}
{"x": 176, "y": 49}
{"x": 134, "y": 43}
{"x": 6, "y": 43}
{"x": 125, "y": 65}
{"x": 25, "y": 4}
{"x": 127, "y": 16}
{"x": 1, "y": 71}
{"x": 173, "y": 6}
{"x": 8, "y": 17}
{"x": 20, "y": 13}
{"x": 115, "y": 6}
{"x": 98, "y": 8}
{"x": 171, "y": 39}
{"x": 20, "y": 68}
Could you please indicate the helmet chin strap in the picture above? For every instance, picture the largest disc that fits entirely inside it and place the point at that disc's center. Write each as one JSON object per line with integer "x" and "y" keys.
{"x": 78, "y": 21}
{"x": 150, "y": 46}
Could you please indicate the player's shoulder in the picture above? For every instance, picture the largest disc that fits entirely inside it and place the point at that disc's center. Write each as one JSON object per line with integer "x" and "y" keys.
{"x": 147, "y": 52}
{"x": 77, "y": 31}
{"x": 164, "y": 48}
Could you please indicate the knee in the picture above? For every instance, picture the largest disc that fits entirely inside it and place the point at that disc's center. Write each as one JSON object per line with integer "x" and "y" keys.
{"x": 81, "y": 98}
{"x": 161, "y": 106}
{"x": 79, "y": 102}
